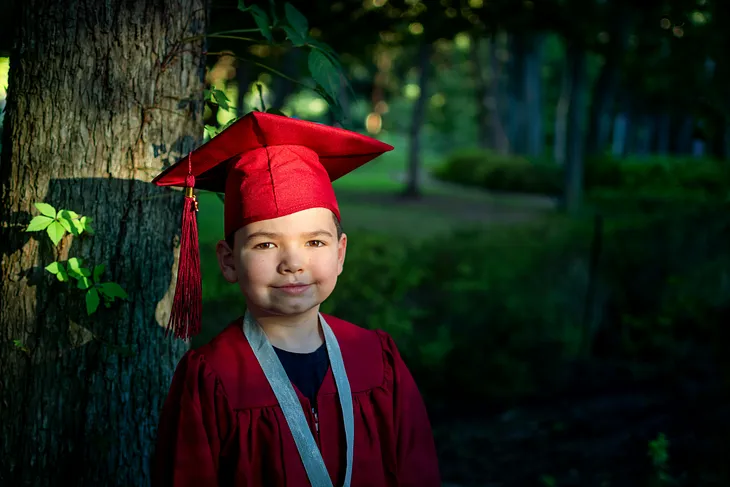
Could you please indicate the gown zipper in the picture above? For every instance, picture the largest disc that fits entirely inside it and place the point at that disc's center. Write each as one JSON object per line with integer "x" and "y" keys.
{"x": 316, "y": 424}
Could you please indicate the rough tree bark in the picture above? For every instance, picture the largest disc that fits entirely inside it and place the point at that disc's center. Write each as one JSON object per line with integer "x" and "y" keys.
{"x": 102, "y": 96}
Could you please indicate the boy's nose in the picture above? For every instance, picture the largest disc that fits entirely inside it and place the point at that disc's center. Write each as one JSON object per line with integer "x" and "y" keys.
{"x": 291, "y": 262}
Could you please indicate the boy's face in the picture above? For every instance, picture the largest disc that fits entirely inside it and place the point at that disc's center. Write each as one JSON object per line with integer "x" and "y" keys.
{"x": 270, "y": 256}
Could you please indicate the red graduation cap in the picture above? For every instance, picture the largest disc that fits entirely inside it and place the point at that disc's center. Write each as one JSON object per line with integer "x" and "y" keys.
{"x": 268, "y": 166}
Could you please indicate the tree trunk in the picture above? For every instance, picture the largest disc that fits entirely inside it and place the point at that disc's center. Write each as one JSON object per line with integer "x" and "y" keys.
{"x": 684, "y": 131}
{"x": 643, "y": 133}
{"x": 561, "y": 115}
{"x": 485, "y": 135}
{"x": 622, "y": 124}
{"x": 517, "y": 122}
{"x": 533, "y": 95}
{"x": 573, "y": 170}
{"x": 102, "y": 96}
{"x": 417, "y": 121}
{"x": 607, "y": 84}
{"x": 490, "y": 132}
{"x": 501, "y": 142}
{"x": 663, "y": 133}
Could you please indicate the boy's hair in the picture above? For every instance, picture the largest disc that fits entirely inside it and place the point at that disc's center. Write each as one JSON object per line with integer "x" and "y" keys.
{"x": 229, "y": 238}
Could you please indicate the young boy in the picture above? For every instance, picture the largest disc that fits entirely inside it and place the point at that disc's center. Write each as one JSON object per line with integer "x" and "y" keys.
{"x": 284, "y": 396}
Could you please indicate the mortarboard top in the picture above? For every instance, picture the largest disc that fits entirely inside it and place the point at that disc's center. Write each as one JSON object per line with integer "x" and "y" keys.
{"x": 340, "y": 151}
{"x": 268, "y": 166}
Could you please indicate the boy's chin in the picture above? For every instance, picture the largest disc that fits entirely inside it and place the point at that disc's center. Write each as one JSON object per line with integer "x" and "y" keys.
{"x": 284, "y": 310}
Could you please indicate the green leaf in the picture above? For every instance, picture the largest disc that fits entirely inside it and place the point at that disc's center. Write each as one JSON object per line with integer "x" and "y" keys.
{"x": 77, "y": 226}
{"x": 242, "y": 6}
{"x": 66, "y": 224}
{"x": 84, "y": 283}
{"x": 20, "y": 346}
{"x": 334, "y": 105}
{"x": 113, "y": 290}
{"x": 46, "y": 209}
{"x": 297, "y": 20}
{"x": 332, "y": 55}
{"x": 79, "y": 273}
{"x": 92, "y": 301}
{"x": 39, "y": 223}
{"x": 56, "y": 232}
{"x": 75, "y": 263}
{"x": 86, "y": 222}
{"x": 74, "y": 273}
{"x": 211, "y": 131}
{"x": 62, "y": 274}
{"x": 207, "y": 95}
{"x": 228, "y": 124}
{"x": 262, "y": 22}
{"x": 222, "y": 99}
{"x": 326, "y": 49}
{"x": 296, "y": 39}
{"x": 276, "y": 111}
{"x": 58, "y": 270}
{"x": 324, "y": 73}
{"x": 68, "y": 214}
{"x": 98, "y": 271}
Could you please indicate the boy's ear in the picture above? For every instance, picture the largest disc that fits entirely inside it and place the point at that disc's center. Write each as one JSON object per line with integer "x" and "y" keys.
{"x": 226, "y": 261}
{"x": 341, "y": 251}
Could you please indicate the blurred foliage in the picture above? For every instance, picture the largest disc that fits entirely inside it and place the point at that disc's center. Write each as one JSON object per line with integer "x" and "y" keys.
{"x": 500, "y": 172}
{"x": 661, "y": 179}
{"x": 509, "y": 305}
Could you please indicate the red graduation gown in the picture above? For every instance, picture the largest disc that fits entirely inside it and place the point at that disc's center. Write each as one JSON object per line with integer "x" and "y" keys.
{"x": 221, "y": 424}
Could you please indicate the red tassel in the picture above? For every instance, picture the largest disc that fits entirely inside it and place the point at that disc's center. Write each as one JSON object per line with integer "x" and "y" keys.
{"x": 187, "y": 304}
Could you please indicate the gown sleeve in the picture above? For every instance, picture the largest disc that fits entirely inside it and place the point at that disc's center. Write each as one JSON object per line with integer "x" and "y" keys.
{"x": 417, "y": 462}
{"x": 195, "y": 425}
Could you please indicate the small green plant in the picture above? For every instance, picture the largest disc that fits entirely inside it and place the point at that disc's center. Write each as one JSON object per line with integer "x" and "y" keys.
{"x": 659, "y": 454}
{"x": 288, "y": 31}
{"x": 56, "y": 224}
{"x": 21, "y": 346}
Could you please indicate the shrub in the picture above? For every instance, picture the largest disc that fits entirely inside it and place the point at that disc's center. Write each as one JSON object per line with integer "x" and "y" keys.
{"x": 498, "y": 172}
{"x": 653, "y": 174}
{"x": 653, "y": 179}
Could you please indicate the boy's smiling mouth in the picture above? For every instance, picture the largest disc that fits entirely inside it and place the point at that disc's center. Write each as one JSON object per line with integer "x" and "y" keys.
{"x": 295, "y": 288}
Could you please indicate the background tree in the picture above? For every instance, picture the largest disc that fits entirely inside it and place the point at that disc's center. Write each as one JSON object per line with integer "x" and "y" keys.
{"x": 102, "y": 96}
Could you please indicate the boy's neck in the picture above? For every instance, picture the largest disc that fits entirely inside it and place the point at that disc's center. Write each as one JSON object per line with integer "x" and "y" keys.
{"x": 299, "y": 333}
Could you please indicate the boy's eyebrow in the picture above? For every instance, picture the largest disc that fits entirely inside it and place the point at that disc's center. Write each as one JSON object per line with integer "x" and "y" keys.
{"x": 273, "y": 235}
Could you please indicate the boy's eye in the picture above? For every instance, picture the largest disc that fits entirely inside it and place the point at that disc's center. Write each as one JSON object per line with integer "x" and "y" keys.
{"x": 317, "y": 243}
{"x": 263, "y": 245}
